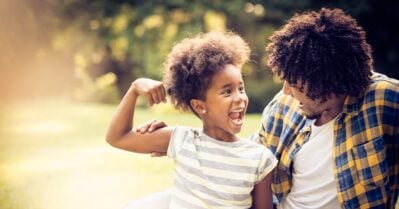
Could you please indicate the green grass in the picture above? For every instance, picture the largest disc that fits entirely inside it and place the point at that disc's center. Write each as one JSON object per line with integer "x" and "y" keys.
{"x": 53, "y": 155}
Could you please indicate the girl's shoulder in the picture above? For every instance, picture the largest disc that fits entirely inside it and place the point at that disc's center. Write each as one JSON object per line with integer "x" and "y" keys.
{"x": 185, "y": 130}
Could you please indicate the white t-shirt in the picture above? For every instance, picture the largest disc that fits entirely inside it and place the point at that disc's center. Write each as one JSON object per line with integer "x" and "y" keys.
{"x": 214, "y": 174}
{"x": 313, "y": 184}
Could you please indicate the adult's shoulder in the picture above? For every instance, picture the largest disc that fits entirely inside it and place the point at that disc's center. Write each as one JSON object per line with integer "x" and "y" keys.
{"x": 281, "y": 103}
{"x": 282, "y": 106}
{"x": 380, "y": 81}
{"x": 383, "y": 88}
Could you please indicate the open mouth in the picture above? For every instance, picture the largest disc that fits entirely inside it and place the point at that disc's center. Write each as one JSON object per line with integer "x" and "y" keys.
{"x": 237, "y": 116}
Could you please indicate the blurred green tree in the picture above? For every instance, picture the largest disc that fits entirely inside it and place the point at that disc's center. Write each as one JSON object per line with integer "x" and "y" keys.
{"x": 128, "y": 39}
{"x": 110, "y": 43}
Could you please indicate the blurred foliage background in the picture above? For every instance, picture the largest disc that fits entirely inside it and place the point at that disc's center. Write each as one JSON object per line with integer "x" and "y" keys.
{"x": 91, "y": 50}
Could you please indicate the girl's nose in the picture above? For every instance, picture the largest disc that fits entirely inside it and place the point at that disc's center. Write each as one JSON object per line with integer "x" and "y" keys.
{"x": 240, "y": 97}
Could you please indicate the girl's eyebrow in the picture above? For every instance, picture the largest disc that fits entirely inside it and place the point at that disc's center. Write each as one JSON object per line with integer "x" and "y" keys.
{"x": 226, "y": 85}
{"x": 230, "y": 84}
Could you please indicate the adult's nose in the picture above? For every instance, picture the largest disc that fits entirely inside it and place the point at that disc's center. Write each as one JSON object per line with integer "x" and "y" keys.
{"x": 287, "y": 88}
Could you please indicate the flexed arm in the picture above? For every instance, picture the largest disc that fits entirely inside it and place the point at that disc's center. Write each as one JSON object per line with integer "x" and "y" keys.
{"x": 120, "y": 132}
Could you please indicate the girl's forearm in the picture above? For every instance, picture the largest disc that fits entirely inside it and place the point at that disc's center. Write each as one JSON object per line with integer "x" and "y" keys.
{"x": 120, "y": 132}
{"x": 122, "y": 120}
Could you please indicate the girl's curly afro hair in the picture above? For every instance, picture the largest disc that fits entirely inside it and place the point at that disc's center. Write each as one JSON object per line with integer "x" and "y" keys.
{"x": 192, "y": 63}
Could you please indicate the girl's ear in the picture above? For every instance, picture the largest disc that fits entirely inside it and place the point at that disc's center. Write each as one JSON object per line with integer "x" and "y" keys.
{"x": 198, "y": 106}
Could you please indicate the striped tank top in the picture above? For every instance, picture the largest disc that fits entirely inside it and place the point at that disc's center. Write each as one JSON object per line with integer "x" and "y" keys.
{"x": 214, "y": 174}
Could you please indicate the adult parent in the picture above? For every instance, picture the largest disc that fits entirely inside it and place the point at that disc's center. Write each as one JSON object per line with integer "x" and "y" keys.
{"x": 335, "y": 125}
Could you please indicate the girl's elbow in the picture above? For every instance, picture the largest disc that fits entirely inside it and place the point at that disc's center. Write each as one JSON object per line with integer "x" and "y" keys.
{"x": 111, "y": 139}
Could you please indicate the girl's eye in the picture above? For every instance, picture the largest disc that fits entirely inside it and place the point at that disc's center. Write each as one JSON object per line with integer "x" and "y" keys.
{"x": 226, "y": 92}
{"x": 241, "y": 89}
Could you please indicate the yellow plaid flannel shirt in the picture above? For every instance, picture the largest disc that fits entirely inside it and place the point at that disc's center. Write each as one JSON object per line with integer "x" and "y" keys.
{"x": 366, "y": 144}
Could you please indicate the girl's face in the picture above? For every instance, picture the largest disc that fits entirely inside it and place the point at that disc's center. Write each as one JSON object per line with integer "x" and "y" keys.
{"x": 225, "y": 104}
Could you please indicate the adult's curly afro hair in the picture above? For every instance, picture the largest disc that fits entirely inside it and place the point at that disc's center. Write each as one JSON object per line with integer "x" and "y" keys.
{"x": 325, "y": 50}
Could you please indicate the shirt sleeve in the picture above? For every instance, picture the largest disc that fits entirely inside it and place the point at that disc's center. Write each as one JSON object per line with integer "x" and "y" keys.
{"x": 179, "y": 135}
{"x": 266, "y": 164}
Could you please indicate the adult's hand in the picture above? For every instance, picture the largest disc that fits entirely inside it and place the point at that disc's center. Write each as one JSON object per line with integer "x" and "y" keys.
{"x": 149, "y": 127}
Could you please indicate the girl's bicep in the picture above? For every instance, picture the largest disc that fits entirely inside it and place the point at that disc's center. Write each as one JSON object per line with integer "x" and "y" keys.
{"x": 156, "y": 141}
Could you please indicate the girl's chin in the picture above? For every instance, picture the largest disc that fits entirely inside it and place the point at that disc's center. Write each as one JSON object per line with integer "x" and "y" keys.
{"x": 236, "y": 129}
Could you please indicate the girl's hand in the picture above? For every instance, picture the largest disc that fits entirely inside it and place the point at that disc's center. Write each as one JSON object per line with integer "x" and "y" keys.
{"x": 153, "y": 90}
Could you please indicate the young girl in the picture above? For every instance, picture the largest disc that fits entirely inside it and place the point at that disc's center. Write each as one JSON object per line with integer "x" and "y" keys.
{"x": 213, "y": 167}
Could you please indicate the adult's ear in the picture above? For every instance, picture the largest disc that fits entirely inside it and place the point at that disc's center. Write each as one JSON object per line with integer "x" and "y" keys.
{"x": 198, "y": 106}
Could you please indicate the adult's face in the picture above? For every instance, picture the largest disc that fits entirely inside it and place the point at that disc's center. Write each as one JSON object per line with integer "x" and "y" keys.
{"x": 311, "y": 108}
